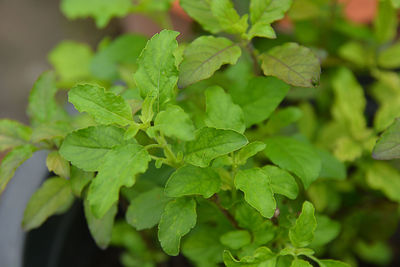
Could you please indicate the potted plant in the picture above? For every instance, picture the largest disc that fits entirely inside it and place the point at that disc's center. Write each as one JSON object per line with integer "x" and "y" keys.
{"x": 226, "y": 149}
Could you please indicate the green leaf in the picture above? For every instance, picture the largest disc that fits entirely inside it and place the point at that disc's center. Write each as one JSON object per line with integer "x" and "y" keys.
{"x": 50, "y": 130}
{"x": 124, "y": 50}
{"x": 119, "y": 168}
{"x": 211, "y": 143}
{"x": 174, "y": 122}
{"x": 105, "y": 107}
{"x": 283, "y": 118}
{"x": 281, "y": 181}
{"x": 302, "y": 233}
{"x": 389, "y": 58}
{"x": 388, "y": 145}
{"x": 13, "y": 134}
{"x": 100, "y": 229}
{"x": 79, "y": 179}
{"x": 326, "y": 231}
{"x": 249, "y": 151}
{"x": 300, "y": 263}
{"x": 55, "y": 194}
{"x": 236, "y": 239}
{"x": 146, "y": 209}
{"x": 204, "y": 56}
{"x": 260, "y": 98}
{"x": 42, "y": 107}
{"x": 157, "y": 74}
{"x": 71, "y": 60}
{"x": 192, "y": 180}
{"x": 292, "y": 63}
{"x": 12, "y": 161}
{"x": 263, "y": 13}
{"x": 222, "y": 113}
{"x": 378, "y": 252}
{"x": 381, "y": 176}
{"x": 385, "y": 23}
{"x": 257, "y": 189}
{"x": 333, "y": 263}
{"x": 200, "y": 11}
{"x": 57, "y": 164}
{"x": 228, "y": 18}
{"x": 396, "y": 3}
{"x": 86, "y": 148}
{"x": 294, "y": 156}
{"x": 178, "y": 218}
{"x": 101, "y": 10}
{"x": 261, "y": 255}
{"x": 331, "y": 167}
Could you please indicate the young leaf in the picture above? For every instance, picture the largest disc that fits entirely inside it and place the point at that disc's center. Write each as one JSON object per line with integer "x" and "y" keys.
{"x": 228, "y": 18}
{"x": 249, "y": 151}
{"x": 204, "y": 56}
{"x": 119, "y": 168}
{"x": 257, "y": 190}
{"x": 388, "y": 145}
{"x": 87, "y": 147}
{"x": 53, "y": 195}
{"x": 174, "y": 122}
{"x": 101, "y": 10}
{"x": 157, "y": 74}
{"x": 105, "y": 107}
{"x": 383, "y": 177}
{"x": 211, "y": 143}
{"x": 302, "y": 233}
{"x": 100, "y": 229}
{"x": 292, "y": 63}
{"x": 281, "y": 181}
{"x": 79, "y": 179}
{"x": 191, "y": 180}
{"x": 12, "y": 161}
{"x": 263, "y": 13}
{"x": 236, "y": 239}
{"x": 57, "y": 164}
{"x": 385, "y": 23}
{"x": 294, "y": 156}
{"x": 389, "y": 58}
{"x": 200, "y": 11}
{"x": 261, "y": 255}
{"x": 178, "y": 218}
{"x": 222, "y": 113}
{"x": 13, "y": 134}
{"x": 260, "y": 98}
{"x": 146, "y": 209}
{"x": 300, "y": 263}
{"x": 42, "y": 106}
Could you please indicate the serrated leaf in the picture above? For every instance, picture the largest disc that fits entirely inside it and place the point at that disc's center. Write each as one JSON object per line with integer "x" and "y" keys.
{"x": 54, "y": 194}
{"x": 178, "y": 218}
{"x": 13, "y": 134}
{"x": 105, "y": 107}
{"x": 146, "y": 209}
{"x": 71, "y": 60}
{"x": 200, "y": 11}
{"x": 263, "y": 13}
{"x": 192, "y": 180}
{"x": 100, "y": 229}
{"x": 381, "y": 176}
{"x": 236, "y": 239}
{"x": 302, "y": 233}
{"x": 174, "y": 122}
{"x": 124, "y": 50}
{"x": 260, "y": 255}
{"x": 204, "y": 56}
{"x": 101, "y": 10}
{"x": 228, "y": 18}
{"x": 281, "y": 181}
{"x": 222, "y": 113}
{"x": 87, "y": 147}
{"x": 331, "y": 167}
{"x": 12, "y": 161}
{"x": 157, "y": 74}
{"x": 57, "y": 164}
{"x": 257, "y": 189}
{"x": 79, "y": 179}
{"x": 294, "y": 156}
{"x": 388, "y": 145}
{"x": 42, "y": 107}
{"x": 249, "y": 151}
{"x": 120, "y": 167}
{"x": 292, "y": 63}
{"x": 300, "y": 263}
{"x": 260, "y": 98}
{"x": 211, "y": 143}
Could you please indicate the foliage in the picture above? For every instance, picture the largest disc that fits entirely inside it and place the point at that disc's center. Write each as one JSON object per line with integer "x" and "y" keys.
{"x": 231, "y": 166}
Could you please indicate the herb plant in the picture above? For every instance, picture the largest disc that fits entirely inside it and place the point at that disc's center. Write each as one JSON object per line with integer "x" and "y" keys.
{"x": 227, "y": 149}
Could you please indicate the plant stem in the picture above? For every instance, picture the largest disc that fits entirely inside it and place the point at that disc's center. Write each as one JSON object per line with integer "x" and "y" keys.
{"x": 253, "y": 53}
{"x": 226, "y": 213}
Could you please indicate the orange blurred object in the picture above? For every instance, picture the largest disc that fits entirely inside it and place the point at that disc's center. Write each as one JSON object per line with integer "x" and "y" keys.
{"x": 360, "y": 11}
{"x": 178, "y": 10}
